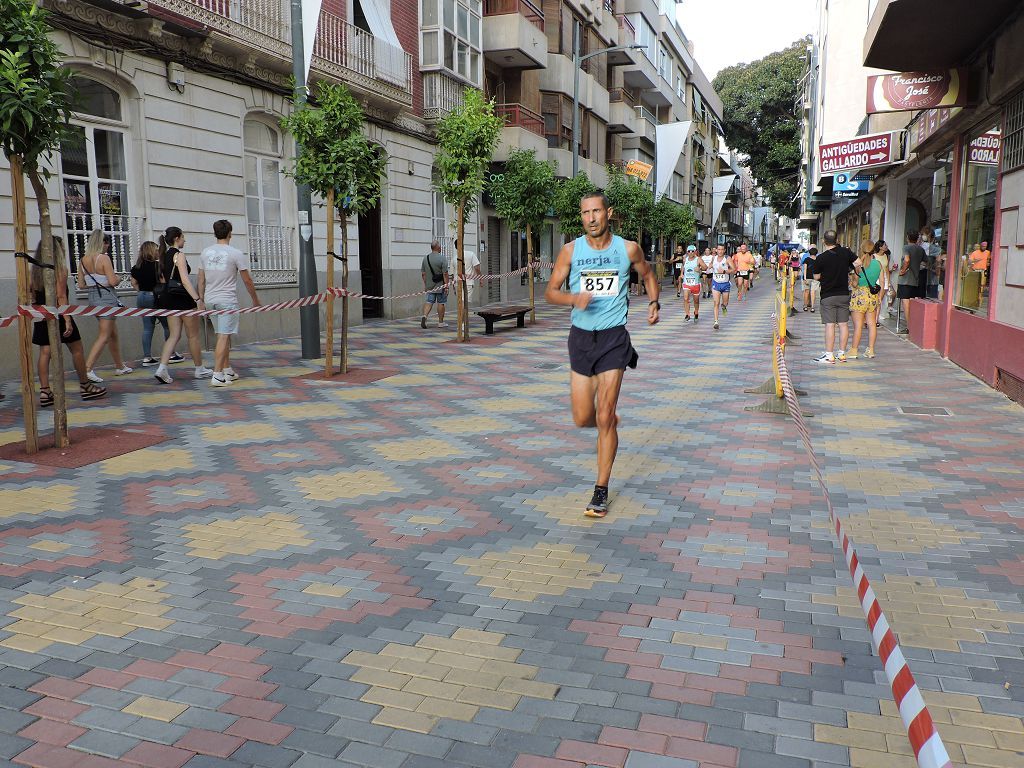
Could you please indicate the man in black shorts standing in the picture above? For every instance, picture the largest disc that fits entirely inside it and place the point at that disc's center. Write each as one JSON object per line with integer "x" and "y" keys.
{"x": 597, "y": 266}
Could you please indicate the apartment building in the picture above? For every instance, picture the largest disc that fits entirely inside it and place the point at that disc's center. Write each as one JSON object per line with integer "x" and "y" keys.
{"x": 958, "y": 175}
{"x": 182, "y": 101}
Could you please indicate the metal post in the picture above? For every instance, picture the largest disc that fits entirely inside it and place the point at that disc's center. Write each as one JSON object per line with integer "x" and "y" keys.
{"x": 576, "y": 62}
{"x": 309, "y": 317}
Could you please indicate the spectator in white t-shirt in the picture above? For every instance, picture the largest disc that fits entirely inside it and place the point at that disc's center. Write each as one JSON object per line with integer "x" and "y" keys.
{"x": 220, "y": 267}
{"x": 472, "y": 264}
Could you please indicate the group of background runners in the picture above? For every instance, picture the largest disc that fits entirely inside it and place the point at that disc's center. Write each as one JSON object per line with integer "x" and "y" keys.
{"x": 710, "y": 275}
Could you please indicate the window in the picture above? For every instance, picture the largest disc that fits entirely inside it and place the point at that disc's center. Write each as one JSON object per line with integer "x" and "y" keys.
{"x": 267, "y": 239}
{"x": 94, "y": 172}
{"x": 664, "y": 64}
{"x": 645, "y": 36}
{"x": 981, "y": 162}
{"x": 450, "y": 37}
{"x": 680, "y": 85}
{"x": 439, "y": 223}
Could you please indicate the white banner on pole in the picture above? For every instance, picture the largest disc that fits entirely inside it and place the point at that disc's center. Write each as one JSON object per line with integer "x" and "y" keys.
{"x": 310, "y": 21}
{"x": 670, "y": 140}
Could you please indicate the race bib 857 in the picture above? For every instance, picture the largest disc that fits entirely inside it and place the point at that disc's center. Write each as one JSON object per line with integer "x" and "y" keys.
{"x": 600, "y": 283}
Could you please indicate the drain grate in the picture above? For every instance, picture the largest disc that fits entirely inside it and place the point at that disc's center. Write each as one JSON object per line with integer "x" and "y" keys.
{"x": 924, "y": 410}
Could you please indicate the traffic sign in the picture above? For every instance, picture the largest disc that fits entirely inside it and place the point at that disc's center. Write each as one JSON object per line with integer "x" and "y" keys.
{"x": 873, "y": 151}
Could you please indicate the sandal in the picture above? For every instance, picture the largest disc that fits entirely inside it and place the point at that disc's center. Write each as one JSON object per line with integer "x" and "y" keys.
{"x": 45, "y": 397}
{"x": 92, "y": 391}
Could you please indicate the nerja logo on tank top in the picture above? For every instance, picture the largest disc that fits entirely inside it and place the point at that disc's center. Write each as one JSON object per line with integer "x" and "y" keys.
{"x": 605, "y": 275}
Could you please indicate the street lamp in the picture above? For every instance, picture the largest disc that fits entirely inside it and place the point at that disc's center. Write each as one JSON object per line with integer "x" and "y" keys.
{"x": 577, "y": 61}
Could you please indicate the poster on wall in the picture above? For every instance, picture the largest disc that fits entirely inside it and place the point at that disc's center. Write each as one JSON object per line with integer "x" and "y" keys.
{"x": 75, "y": 199}
{"x": 913, "y": 91}
{"x": 984, "y": 150}
{"x": 111, "y": 203}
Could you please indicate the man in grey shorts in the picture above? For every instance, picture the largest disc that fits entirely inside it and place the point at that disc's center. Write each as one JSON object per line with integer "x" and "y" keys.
{"x": 832, "y": 269}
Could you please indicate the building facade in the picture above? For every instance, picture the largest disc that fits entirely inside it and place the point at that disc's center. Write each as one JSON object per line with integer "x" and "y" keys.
{"x": 959, "y": 179}
{"x": 181, "y": 102}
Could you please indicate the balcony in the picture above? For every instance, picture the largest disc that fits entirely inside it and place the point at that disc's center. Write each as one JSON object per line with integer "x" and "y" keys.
{"x": 524, "y": 129}
{"x": 441, "y": 94}
{"x": 257, "y": 34}
{"x": 626, "y": 36}
{"x": 641, "y": 74}
{"x": 513, "y": 32}
{"x": 647, "y": 124}
{"x": 126, "y": 235}
{"x": 272, "y": 258}
{"x": 622, "y": 111}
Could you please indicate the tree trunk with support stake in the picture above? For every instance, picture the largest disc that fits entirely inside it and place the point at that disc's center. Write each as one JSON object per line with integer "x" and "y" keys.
{"x": 329, "y": 338}
{"x": 28, "y": 400}
{"x": 56, "y": 382}
{"x": 529, "y": 273}
{"x": 462, "y": 290}
{"x": 344, "y": 296}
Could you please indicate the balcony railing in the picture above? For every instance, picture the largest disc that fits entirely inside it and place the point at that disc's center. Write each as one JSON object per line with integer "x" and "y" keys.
{"x": 125, "y": 238}
{"x": 441, "y": 94}
{"x": 518, "y": 116}
{"x": 528, "y": 9}
{"x": 621, "y": 95}
{"x": 350, "y": 48}
{"x": 627, "y": 29}
{"x": 340, "y": 49}
{"x": 272, "y": 253}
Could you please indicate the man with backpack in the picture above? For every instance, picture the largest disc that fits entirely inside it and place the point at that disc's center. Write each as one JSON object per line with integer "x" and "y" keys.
{"x": 435, "y": 280}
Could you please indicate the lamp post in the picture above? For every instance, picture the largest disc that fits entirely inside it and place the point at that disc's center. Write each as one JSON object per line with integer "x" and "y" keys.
{"x": 577, "y": 61}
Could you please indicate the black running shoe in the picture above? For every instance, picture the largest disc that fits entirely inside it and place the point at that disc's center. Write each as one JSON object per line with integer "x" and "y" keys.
{"x": 598, "y": 506}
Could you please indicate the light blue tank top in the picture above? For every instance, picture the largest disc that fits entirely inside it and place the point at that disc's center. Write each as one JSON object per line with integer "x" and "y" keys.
{"x": 595, "y": 272}
{"x": 691, "y": 271}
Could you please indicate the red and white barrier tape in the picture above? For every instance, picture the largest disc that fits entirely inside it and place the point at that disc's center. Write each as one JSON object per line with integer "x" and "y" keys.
{"x": 924, "y": 737}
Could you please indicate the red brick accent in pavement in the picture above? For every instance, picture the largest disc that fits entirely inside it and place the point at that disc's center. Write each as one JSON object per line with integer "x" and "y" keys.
{"x": 643, "y": 742}
{"x": 55, "y": 709}
{"x": 151, "y": 669}
{"x": 258, "y": 730}
{"x": 671, "y": 726}
{"x": 152, "y": 755}
{"x": 702, "y": 752}
{"x": 59, "y": 688}
{"x": 254, "y": 708}
{"x": 592, "y": 754}
{"x": 532, "y": 761}
{"x": 106, "y": 678}
{"x": 236, "y": 652}
{"x": 51, "y": 732}
{"x": 46, "y": 756}
{"x": 209, "y": 743}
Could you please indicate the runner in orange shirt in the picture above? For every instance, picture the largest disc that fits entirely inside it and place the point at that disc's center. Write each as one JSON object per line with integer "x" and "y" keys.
{"x": 744, "y": 261}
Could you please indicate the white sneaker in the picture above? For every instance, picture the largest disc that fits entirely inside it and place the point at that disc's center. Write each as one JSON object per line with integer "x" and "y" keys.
{"x": 840, "y": 357}
{"x": 230, "y": 375}
{"x": 215, "y": 382}
{"x": 124, "y": 371}
{"x": 442, "y": 325}
{"x": 824, "y": 357}
{"x": 202, "y": 372}
{"x": 162, "y": 375}
{"x": 91, "y": 375}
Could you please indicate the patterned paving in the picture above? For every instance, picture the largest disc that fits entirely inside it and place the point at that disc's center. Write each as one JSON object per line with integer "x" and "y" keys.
{"x": 397, "y": 573}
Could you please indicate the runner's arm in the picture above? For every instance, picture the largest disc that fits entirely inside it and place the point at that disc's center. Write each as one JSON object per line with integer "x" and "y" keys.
{"x": 559, "y": 274}
{"x": 650, "y": 278}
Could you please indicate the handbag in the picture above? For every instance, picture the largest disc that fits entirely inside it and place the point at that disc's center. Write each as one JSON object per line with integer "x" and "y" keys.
{"x": 173, "y": 292}
{"x": 159, "y": 286}
{"x": 96, "y": 283}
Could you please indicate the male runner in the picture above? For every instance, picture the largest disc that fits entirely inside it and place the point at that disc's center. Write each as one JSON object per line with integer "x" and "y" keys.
{"x": 597, "y": 266}
{"x": 677, "y": 266}
{"x": 722, "y": 270}
{"x": 706, "y": 277}
{"x": 693, "y": 266}
{"x": 744, "y": 261}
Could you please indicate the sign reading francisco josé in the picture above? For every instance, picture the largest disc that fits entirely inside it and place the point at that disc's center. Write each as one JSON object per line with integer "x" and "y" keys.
{"x": 911, "y": 91}
{"x": 862, "y": 152}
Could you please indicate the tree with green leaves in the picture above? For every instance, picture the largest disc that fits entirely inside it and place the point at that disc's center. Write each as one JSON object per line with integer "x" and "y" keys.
{"x": 467, "y": 137}
{"x": 682, "y": 225}
{"x": 568, "y": 193}
{"x": 36, "y": 98}
{"x": 523, "y": 196}
{"x": 761, "y": 119}
{"x": 344, "y": 167}
{"x": 632, "y": 201}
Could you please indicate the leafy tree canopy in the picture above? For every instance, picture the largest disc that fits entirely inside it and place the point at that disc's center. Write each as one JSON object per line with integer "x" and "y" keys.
{"x": 526, "y": 191}
{"x": 568, "y": 194}
{"x": 35, "y": 90}
{"x": 336, "y": 155}
{"x": 466, "y": 137}
{"x": 632, "y": 202}
{"x": 761, "y": 121}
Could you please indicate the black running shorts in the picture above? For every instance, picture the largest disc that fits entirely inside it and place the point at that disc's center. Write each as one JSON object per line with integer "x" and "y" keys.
{"x": 594, "y": 352}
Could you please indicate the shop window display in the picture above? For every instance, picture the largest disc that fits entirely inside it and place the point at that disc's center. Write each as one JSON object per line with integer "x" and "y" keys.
{"x": 981, "y": 162}
{"x": 938, "y": 229}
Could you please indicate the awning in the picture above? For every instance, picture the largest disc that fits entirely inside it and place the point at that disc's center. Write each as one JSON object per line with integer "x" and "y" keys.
{"x": 917, "y": 35}
{"x": 389, "y": 56}
{"x": 720, "y": 186}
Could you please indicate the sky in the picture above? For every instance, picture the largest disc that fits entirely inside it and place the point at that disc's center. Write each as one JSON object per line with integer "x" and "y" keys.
{"x": 727, "y": 32}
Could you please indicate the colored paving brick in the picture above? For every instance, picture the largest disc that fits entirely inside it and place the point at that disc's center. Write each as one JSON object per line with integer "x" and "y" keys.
{"x": 393, "y": 569}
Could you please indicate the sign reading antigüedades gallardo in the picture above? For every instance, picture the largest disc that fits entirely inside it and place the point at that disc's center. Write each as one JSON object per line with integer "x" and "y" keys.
{"x": 912, "y": 91}
{"x": 872, "y": 151}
